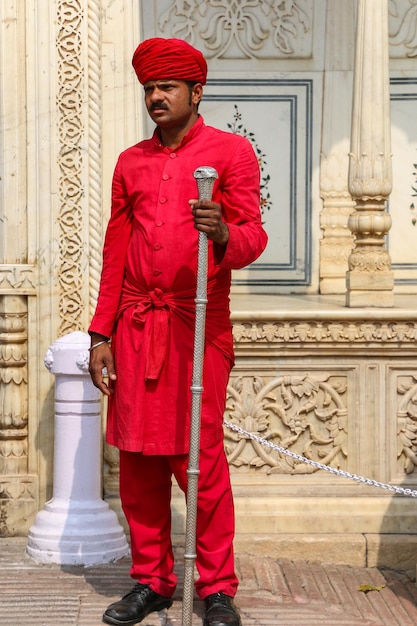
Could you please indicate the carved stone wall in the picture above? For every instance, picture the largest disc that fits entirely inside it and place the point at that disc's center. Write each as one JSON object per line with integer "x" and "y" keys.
{"x": 338, "y": 389}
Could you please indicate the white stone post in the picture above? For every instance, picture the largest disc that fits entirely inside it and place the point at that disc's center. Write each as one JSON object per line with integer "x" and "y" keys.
{"x": 370, "y": 281}
{"x": 76, "y": 526}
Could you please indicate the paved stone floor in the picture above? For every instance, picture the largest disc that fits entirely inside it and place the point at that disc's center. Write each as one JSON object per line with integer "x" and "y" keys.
{"x": 272, "y": 592}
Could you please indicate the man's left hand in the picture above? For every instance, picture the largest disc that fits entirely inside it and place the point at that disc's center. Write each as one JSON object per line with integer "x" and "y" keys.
{"x": 208, "y": 219}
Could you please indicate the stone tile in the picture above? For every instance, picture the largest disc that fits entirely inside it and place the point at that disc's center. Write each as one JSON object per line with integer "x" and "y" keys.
{"x": 278, "y": 592}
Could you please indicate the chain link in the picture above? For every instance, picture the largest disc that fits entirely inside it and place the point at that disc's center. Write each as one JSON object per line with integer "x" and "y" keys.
{"x": 332, "y": 470}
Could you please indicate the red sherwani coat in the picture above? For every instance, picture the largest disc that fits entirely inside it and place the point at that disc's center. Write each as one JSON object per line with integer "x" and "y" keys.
{"x": 148, "y": 285}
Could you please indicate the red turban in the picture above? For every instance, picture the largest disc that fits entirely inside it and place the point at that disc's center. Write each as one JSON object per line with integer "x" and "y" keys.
{"x": 169, "y": 58}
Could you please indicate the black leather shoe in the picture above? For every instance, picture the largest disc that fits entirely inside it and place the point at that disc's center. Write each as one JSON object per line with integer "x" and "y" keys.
{"x": 135, "y": 606}
{"x": 220, "y": 611}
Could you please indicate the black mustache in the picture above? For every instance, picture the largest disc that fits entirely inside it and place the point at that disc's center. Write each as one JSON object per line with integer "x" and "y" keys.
{"x": 159, "y": 105}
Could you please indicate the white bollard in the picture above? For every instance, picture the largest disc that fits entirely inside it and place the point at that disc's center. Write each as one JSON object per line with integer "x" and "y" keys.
{"x": 76, "y": 527}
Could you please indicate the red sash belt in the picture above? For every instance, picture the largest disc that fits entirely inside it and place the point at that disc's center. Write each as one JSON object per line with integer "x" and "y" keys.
{"x": 154, "y": 309}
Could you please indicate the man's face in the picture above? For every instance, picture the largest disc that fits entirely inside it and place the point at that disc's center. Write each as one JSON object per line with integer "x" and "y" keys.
{"x": 170, "y": 102}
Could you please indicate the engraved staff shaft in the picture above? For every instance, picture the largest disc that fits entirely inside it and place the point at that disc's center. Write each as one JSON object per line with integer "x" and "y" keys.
{"x": 205, "y": 177}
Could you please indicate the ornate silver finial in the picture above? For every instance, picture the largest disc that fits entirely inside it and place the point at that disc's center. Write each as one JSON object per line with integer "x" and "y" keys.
{"x": 205, "y": 176}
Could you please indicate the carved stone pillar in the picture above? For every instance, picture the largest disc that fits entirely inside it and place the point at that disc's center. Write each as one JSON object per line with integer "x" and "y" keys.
{"x": 16, "y": 487}
{"x": 337, "y": 241}
{"x": 370, "y": 281}
{"x": 13, "y": 385}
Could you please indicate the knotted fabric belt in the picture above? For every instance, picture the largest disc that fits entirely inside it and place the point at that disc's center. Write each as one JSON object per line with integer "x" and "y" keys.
{"x": 154, "y": 308}
{"x": 158, "y": 304}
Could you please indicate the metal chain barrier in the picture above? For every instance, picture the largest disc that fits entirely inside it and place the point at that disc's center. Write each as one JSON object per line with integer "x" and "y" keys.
{"x": 332, "y": 470}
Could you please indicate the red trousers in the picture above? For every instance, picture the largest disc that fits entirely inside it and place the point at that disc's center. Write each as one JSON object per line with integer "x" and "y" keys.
{"x": 145, "y": 491}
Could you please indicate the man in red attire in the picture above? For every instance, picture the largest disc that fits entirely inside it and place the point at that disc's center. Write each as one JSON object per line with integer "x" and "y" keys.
{"x": 146, "y": 306}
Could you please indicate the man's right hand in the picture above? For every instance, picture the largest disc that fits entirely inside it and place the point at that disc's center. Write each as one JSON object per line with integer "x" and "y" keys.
{"x": 100, "y": 358}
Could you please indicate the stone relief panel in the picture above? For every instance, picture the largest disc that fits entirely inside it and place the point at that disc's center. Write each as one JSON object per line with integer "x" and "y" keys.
{"x": 407, "y": 424}
{"x": 70, "y": 105}
{"x": 403, "y": 28}
{"x": 304, "y": 413}
{"x": 325, "y": 332}
{"x": 238, "y": 29}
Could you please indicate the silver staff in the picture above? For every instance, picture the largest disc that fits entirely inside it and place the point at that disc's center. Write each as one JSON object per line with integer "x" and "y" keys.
{"x": 205, "y": 177}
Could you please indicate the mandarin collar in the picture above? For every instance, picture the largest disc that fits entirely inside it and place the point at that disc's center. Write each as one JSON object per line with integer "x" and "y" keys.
{"x": 194, "y": 130}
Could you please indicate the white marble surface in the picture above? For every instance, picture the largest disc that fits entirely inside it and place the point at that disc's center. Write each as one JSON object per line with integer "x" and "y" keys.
{"x": 308, "y": 306}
